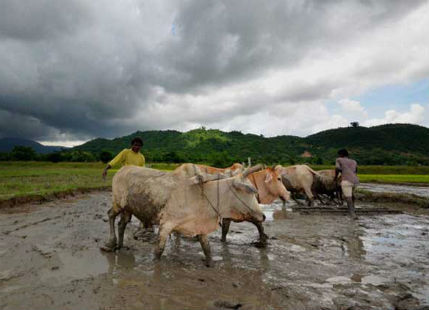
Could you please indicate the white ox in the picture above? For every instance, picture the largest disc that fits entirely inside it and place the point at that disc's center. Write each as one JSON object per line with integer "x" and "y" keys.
{"x": 299, "y": 179}
{"x": 189, "y": 206}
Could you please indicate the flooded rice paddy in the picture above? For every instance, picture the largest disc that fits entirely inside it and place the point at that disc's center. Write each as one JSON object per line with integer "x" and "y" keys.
{"x": 50, "y": 259}
{"x": 422, "y": 191}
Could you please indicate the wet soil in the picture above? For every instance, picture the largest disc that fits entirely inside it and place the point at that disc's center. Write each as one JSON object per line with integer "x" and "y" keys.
{"x": 50, "y": 259}
{"x": 422, "y": 191}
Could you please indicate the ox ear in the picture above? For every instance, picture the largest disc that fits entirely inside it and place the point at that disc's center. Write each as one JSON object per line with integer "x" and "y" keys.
{"x": 268, "y": 177}
{"x": 240, "y": 186}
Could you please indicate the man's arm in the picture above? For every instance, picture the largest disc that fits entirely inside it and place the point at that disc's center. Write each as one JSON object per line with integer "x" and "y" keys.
{"x": 337, "y": 169}
{"x": 118, "y": 158}
{"x": 105, "y": 171}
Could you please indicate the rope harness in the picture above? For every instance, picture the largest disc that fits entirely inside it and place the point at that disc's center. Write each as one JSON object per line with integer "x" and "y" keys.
{"x": 205, "y": 196}
{"x": 218, "y": 194}
{"x": 256, "y": 186}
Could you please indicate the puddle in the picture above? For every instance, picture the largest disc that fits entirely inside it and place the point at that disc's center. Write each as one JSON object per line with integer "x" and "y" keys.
{"x": 422, "y": 191}
{"x": 374, "y": 280}
{"x": 79, "y": 265}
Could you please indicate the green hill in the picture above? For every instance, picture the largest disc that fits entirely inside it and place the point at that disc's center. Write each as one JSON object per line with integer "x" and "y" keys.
{"x": 393, "y": 144}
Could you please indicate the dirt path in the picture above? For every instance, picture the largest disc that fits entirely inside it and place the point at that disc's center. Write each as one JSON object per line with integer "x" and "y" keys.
{"x": 50, "y": 259}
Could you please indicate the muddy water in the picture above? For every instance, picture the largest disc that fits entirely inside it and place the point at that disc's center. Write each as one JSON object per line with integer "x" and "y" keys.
{"x": 50, "y": 259}
{"x": 422, "y": 191}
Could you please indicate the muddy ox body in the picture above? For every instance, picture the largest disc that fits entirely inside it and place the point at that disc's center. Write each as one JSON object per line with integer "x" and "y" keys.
{"x": 298, "y": 179}
{"x": 190, "y": 206}
{"x": 327, "y": 185}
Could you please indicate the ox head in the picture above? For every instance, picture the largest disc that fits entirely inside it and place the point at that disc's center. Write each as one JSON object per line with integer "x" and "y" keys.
{"x": 245, "y": 206}
{"x": 274, "y": 186}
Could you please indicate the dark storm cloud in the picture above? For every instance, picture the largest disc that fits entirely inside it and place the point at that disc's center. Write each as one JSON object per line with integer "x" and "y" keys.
{"x": 80, "y": 69}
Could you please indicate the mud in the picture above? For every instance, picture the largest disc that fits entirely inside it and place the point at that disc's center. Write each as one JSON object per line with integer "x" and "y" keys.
{"x": 50, "y": 259}
{"x": 422, "y": 191}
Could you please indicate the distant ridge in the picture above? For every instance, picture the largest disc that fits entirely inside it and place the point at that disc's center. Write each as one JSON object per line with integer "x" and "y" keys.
{"x": 386, "y": 144}
{"x": 7, "y": 145}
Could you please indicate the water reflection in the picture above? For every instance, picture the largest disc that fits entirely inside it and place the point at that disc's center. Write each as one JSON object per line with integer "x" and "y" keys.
{"x": 354, "y": 241}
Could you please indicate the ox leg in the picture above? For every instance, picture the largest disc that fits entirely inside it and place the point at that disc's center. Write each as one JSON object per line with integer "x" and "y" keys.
{"x": 263, "y": 237}
{"x": 310, "y": 197}
{"x": 164, "y": 232}
{"x": 294, "y": 198}
{"x": 225, "y": 228}
{"x": 111, "y": 244}
{"x": 204, "y": 241}
{"x": 125, "y": 218}
{"x": 340, "y": 196}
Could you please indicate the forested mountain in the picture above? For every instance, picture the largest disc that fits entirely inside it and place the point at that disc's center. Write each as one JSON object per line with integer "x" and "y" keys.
{"x": 387, "y": 144}
{"x": 7, "y": 145}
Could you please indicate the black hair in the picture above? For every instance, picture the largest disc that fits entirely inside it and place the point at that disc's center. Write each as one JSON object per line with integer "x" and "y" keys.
{"x": 137, "y": 140}
{"x": 343, "y": 152}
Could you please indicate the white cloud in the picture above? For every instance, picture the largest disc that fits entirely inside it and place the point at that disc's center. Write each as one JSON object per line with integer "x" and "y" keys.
{"x": 353, "y": 107}
{"x": 66, "y": 143}
{"x": 416, "y": 115}
{"x": 107, "y": 70}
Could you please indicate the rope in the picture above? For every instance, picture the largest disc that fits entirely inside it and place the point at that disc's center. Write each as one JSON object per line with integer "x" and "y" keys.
{"x": 256, "y": 186}
{"x": 236, "y": 196}
{"x": 205, "y": 196}
{"x": 218, "y": 194}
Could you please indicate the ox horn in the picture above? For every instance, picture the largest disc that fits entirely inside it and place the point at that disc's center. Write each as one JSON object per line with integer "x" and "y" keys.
{"x": 253, "y": 169}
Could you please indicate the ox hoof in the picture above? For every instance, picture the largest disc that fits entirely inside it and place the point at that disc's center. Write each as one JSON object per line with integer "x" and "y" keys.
{"x": 208, "y": 263}
{"x": 107, "y": 249}
{"x": 109, "y": 246}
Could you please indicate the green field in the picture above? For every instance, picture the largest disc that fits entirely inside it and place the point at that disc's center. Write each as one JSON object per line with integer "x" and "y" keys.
{"x": 43, "y": 178}
{"x": 21, "y": 179}
{"x": 394, "y": 178}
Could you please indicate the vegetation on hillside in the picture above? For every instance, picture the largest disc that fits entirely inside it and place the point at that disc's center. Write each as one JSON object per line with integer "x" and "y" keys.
{"x": 394, "y": 144}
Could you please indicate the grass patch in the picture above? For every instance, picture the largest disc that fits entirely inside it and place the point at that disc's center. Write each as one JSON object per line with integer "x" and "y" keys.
{"x": 394, "y": 178}
{"x": 18, "y": 179}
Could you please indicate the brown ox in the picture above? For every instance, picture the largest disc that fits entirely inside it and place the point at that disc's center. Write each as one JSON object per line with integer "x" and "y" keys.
{"x": 269, "y": 184}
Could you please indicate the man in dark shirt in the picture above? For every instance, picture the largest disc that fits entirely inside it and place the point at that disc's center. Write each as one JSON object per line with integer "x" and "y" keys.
{"x": 349, "y": 179}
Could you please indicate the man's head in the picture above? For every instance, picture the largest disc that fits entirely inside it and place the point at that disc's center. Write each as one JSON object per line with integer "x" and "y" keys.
{"x": 343, "y": 153}
{"x": 136, "y": 144}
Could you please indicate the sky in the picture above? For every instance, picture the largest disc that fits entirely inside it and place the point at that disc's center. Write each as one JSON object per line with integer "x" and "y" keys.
{"x": 76, "y": 70}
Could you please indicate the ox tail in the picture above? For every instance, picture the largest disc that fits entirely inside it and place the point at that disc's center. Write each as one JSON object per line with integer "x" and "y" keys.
{"x": 325, "y": 180}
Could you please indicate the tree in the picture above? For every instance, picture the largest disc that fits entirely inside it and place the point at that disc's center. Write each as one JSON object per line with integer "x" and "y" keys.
{"x": 105, "y": 156}
{"x": 220, "y": 159}
{"x": 23, "y": 153}
{"x": 54, "y": 157}
{"x": 354, "y": 124}
{"x": 172, "y": 157}
{"x": 81, "y": 156}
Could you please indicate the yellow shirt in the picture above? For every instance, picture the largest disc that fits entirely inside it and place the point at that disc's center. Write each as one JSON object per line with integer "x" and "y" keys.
{"x": 127, "y": 157}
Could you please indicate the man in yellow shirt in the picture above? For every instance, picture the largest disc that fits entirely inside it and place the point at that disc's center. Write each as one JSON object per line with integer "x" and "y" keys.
{"x": 128, "y": 157}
